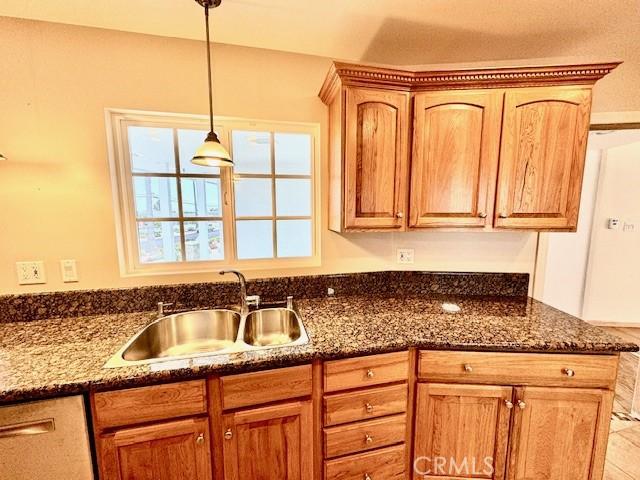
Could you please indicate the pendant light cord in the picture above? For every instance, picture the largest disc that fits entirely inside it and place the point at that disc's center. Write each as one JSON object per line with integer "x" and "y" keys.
{"x": 206, "y": 16}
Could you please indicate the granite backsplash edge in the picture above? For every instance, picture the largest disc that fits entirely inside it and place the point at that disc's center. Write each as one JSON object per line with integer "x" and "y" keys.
{"x": 76, "y": 303}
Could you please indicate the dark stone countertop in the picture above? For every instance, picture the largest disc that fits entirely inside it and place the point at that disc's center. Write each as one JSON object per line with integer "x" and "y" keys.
{"x": 47, "y": 358}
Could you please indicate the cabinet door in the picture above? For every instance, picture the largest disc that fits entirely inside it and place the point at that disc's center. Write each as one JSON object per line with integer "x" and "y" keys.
{"x": 269, "y": 443}
{"x": 456, "y": 138}
{"x": 375, "y": 157}
{"x": 461, "y": 431}
{"x": 559, "y": 434}
{"x": 544, "y": 140}
{"x": 177, "y": 450}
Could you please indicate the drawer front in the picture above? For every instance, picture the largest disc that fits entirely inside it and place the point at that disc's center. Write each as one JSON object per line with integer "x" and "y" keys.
{"x": 364, "y": 404}
{"x": 145, "y": 404}
{"x": 362, "y": 436}
{"x": 263, "y": 387}
{"x": 564, "y": 370}
{"x": 365, "y": 371}
{"x": 385, "y": 464}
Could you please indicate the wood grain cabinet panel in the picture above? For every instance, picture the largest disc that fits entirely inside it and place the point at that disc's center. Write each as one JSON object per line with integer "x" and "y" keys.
{"x": 365, "y": 371}
{"x": 177, "y": 450}
{"x": 361, "y": 436}
{"x": 383, "y": 464}
{"x": 559, "y": 434}
{"x": 456, "y": 139}
{"x": 375, "y": 158}
{"x": 544, "y": 140}
{"x": 461, "y": 431}
{"x": 364, "y": 404}
{"x": 269, "y": 443}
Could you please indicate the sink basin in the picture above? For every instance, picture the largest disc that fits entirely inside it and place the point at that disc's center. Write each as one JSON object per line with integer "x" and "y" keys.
{"x": 184, "y": 334}
{"x": 211, "y": 332}
{"x": 271, "y": 327}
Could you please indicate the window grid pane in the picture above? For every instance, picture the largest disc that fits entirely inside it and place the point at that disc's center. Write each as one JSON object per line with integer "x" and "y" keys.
{"x": 288, "y": 209}
{"x": 173, "y": 227}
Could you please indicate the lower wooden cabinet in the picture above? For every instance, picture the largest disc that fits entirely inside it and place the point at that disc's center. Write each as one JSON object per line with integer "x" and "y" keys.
{"x": 461, "y": 431}
{"x": 269, "y": 443}
{"x": 177, "y": 450}
{"x": 559, "y": 434}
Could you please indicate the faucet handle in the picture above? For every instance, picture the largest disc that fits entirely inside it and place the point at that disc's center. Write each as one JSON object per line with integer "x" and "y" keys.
{"x": 253, "y": 300}
{"x": 290, "y": 302}
{"x": 161, "y": 307}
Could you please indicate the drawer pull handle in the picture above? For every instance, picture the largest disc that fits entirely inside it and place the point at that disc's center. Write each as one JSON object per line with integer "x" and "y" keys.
{"x": 521, "y": 405}
{"x": 482, "y": 215}
{"x": 368, "y": 438}
{"x": 503, "y": 215}
{"x": 200, "y": 439}
{"x": 368, "y": 407}
{"x": 468, "y": 368}
{"x": 569, "y": 372}
{"x": 367, "y": 477}
{"x": 28, "y": 428}
{"x": 370, "y": 373}
{"x": 228, "y": 435}
{"x": 399, "y": 214}
{"x": 508, "y": 404}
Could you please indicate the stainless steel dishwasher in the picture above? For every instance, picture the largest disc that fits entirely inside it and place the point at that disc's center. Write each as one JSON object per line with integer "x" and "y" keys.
{"x": 45, "y": 440}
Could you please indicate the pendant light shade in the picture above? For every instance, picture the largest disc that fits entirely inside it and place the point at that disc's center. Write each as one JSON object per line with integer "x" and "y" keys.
{"x": 211, "y": 153}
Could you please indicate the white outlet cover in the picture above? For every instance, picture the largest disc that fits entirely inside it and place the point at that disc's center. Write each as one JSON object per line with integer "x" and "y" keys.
{"x": 69, "y": 271}
{"x": 405, "y": 255}
{"x": 31, "y": 273}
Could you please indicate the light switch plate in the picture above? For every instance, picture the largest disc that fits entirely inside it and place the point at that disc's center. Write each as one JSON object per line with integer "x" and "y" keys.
{"x": 69, "y": 271}
{"x": 405, "y": 255}
{"x": 31, "y": 273}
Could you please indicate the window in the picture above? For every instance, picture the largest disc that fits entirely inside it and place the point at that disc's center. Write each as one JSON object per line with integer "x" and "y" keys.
{"x": 173, "y": 216}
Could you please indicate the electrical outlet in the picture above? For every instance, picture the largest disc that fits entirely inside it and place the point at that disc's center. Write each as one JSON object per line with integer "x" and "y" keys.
{"x": 31, "y": 273}
{"x": 69, "y": 271}
{"x": 405, "y": 255}
{"x": 628, "y": 227}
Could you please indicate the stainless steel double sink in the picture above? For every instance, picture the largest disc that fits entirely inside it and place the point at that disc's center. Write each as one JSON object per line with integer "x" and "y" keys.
{"x": 211, "y": 332}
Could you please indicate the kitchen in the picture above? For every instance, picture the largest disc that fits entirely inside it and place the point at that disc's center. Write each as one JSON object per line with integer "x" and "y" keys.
{"x": 413, "y": 266}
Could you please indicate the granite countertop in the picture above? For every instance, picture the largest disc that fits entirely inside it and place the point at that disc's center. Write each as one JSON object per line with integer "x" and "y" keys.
{"x": 46, "y": 358}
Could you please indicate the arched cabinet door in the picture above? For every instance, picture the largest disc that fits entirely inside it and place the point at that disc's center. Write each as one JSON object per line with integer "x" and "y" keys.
{"x": 456, "y": 138}
{"x": 375, "y": 159}
{"x": 544, "y": 140}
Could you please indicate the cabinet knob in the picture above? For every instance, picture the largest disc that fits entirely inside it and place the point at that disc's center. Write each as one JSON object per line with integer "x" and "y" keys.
{"x": 503, "y": 215}
{"x": 228, "y": 435}
{"x": 569, "y": 372}
{"x": 482, "y": 215}
{"x": 200, "y": 439}
{"x": 508, "y": 404}
{"x": 521, "y": 405}
{"x": 370, "y": 373}
{"x": 399, "y": 214}
{"x": 367, "y": 477}
{"x": 468, "y": 368}
{"x": 368, "y": 407}
{"x": 368, "y": 438}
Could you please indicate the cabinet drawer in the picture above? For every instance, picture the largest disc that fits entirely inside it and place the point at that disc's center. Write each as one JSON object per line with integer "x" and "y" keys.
{"x": 365, "y": 371}
{"x": 145, "y": 404}
{"x": 358, "y": 437}
{"x": 263, "y": 387}
{"x": 564, "y": 370}
{"x": 364, "y": 404}
{"x": 385, "y": 464}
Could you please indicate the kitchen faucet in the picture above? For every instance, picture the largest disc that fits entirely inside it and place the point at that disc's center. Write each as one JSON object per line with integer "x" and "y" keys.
{"x": 245, "y": 300}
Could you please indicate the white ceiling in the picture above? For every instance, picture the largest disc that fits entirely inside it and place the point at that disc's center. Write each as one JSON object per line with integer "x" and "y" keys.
{"x": 403, "y": 32}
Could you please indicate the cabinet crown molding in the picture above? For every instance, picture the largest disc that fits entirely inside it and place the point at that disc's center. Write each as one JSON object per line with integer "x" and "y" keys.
{"x": 351, "y": 74}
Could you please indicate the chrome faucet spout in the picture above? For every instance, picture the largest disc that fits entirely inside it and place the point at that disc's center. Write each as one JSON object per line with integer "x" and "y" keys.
{"x": 244, "y": 308}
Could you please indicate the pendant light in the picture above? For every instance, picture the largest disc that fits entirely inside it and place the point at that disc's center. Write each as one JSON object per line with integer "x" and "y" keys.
{"x": 211, "y": 153}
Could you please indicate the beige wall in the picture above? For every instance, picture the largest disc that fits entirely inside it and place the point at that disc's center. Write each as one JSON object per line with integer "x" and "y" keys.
{"x": 55, "y": 194}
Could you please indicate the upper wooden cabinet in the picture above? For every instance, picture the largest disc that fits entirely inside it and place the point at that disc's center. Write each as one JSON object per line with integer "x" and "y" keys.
{"x": 376, "y": 134}
{"x": 456, "y": 139}
{"x": 544, "y": 139}
{"x": 474, "y": 149}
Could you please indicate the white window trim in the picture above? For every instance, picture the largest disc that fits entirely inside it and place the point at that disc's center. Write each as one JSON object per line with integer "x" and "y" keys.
{"x": 122, "y": 192}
